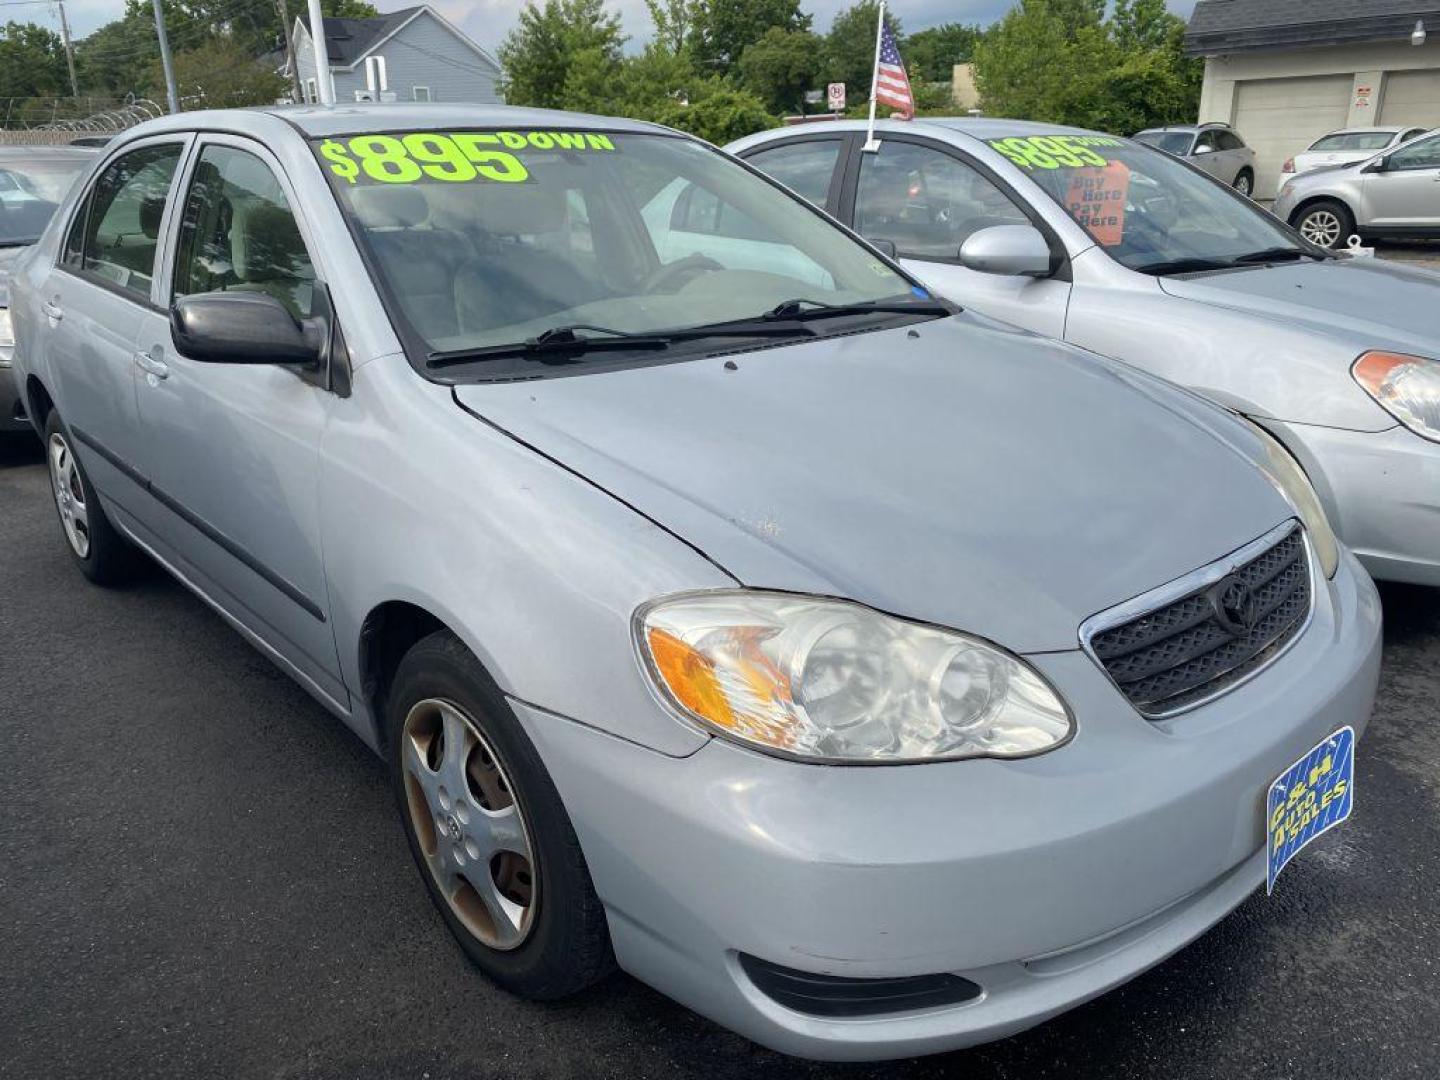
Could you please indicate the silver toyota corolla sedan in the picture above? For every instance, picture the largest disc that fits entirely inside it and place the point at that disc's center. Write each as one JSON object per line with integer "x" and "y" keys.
{"x": 1126, "y": 251}
{"x": 1395, "y": 193}
{"x": 870, "y": 677}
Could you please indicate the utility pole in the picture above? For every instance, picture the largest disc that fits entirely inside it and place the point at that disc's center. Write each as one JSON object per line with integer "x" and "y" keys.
{"x": 284, "y": 12}
{"x": 170, "y": 93}
{"x": 322, "y": 54}
{"x": 69, "y": 49}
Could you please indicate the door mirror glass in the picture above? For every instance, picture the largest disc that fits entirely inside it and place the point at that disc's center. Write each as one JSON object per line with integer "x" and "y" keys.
{"x": 1203, "y": 148}
{"x": 885, "y": 247}
{"x": 1008, "y": 249}
{"x": 244, "y": 328}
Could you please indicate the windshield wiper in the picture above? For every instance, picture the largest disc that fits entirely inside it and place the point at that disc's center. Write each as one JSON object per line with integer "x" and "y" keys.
{"x": 1185, "y": 266}
{"x": 562, "y": 344}
{"x": 804, "y": 309}
{"x": 1275, "y": 254}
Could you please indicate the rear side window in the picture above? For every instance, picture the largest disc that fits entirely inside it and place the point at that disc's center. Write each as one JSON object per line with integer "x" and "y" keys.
{"x": 238, "y": 233}
{"x": 806, "y": 168}
{"x": 123, "y": 224}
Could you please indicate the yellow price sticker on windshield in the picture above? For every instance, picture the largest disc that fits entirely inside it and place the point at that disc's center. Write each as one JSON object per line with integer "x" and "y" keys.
{"x": 455, "y": 156}
{"x": 1055, "y": 151}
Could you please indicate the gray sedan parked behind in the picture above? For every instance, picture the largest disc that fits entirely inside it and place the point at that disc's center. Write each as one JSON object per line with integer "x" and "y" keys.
{"x": 870, "y": 677}
{"x": 33, "y": 180}
{"x": 1116, "y": 247}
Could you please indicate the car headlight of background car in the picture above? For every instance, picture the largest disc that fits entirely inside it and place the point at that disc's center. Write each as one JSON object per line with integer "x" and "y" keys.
{"x": 829, "y": 680}
{"x": 1287, "y": 475}
{"x": 1407, "y": 387}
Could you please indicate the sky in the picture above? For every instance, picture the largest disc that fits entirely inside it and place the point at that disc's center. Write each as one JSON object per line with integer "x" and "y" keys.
{"x": 488, "y": 21}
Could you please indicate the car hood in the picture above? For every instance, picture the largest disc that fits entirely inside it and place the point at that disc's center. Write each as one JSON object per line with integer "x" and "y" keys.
{"x": 1369, "y": 303}
{"x": 969, "y": 475}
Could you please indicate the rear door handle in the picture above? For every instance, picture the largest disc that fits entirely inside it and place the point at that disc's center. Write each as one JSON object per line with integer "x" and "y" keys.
{"x": 152, "y": 365}
{"x": 53, "y": 310}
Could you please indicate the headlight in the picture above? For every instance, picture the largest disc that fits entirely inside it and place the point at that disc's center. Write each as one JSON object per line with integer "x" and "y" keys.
{"x": 1287, "y": 475}
{"x": 7, "y": 329}
{"x": 833, "y": 681}
{"x": 1407, "y": 387}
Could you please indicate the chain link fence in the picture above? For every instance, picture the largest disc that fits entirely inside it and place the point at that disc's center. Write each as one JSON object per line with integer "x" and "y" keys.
{"x": 30, "y": 120}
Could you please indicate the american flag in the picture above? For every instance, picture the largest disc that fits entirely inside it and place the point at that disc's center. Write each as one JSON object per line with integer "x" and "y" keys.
{"x": 892, "y": 85}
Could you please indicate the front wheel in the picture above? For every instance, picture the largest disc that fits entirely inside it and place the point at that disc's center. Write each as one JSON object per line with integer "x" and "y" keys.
{"x": 486, "y": 826}
{"x": 1245, "y": 183}
{"x": 1326, "y": 223}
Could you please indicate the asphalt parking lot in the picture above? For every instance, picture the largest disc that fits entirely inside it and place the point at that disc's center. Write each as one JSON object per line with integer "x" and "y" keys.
{"x": 202, "y": 874}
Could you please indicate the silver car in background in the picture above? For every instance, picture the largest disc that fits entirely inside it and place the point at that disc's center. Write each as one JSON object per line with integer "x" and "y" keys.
{"x": 1121, "y": 249}
{"x": 1213, "y": 148}
{"x": 1347, "y": 145}
{"x": 33, "y": 180}
{"x": 871, "y": 677}
{"x": 1394, "y": 194}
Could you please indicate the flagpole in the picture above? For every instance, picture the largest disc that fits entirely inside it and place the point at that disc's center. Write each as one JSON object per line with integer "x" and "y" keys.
{"x": 871, "y": 144}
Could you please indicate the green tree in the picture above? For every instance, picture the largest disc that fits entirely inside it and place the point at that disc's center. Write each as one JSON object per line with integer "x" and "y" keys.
{"x": 673, "y": 21}
{"x": 537, "y": 55}
{"x": 780, "y": 67}
{"x": 931, "y": 55}
{"x": 721, "y": 30}
{"x": 1074, "y": 15}
{"x": 1143, "y": 24}
{"x": 32, "y": 62}
{"x": 221, "y": 74}
{"x": 850, "y": 47}
{"x": 720, "y": 117}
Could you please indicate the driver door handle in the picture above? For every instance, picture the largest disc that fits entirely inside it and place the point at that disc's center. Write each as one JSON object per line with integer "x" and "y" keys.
{"x": 152, "y": 365}
{"x": 53, "y": 310}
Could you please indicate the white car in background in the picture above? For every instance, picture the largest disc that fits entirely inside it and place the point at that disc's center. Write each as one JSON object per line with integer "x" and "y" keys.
{"x": 1347, "y": 145}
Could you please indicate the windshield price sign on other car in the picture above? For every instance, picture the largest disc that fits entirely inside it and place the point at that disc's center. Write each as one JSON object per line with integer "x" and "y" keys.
{"x": 1096, "y": 200}
{"x": 1054, "y": 151}
{"x": 456, "y": 156}
{"x": 1309, "y": 798}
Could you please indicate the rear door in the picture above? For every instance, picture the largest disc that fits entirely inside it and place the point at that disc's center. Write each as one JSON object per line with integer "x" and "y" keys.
{"x": 233, "y": 450}
{"x": 927, "y": 198}
{"x": 1407, "y": 194}
{"x": 94, "y": 302}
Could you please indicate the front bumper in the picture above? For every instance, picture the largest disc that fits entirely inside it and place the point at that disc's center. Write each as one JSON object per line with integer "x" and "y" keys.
{"x": 1381, "y": 490}
{"x": 1046, "y": 881}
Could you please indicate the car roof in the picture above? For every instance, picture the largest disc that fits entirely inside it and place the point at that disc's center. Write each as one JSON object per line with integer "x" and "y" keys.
{"x": 1185, "y": 129}
{"x": 979, "y": 127}
{"x": 1376, "y": 129}
{"x": 320, "y": 121}
{"x": 47, "y": 153}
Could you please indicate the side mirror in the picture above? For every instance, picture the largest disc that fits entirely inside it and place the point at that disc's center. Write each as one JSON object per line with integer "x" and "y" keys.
{"x": 885, "y": 247}
{"x": 1016, "y": 250}
{"x": 1203, "y": 148}
{"x": 1379, "y": 164}
{"x": 245, "y": 328}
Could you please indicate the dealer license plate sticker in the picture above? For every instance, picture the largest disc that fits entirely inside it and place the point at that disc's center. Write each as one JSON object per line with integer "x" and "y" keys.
{"x": 1309, "y": 798}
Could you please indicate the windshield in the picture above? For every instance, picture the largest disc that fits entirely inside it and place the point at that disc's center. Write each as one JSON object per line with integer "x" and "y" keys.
{"x": 492, "y": 238}
{"x": 31, "y": 188}
{"x": 1148, "y": 210}
{"x": 1172, "y": 142}
{"x": 1354, "y": 140}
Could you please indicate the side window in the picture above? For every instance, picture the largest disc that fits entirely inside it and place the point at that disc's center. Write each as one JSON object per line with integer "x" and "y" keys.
{"x": 925, "y": 201}
{"x": 238, "y": 234}
{"x": 1424, "y": 154}
{"x": 1207, "y": 140}
{"x": 1413, "y": 133}
{"x": 123, "y": 224}
{"x": 75, "y": 239}
{"x": 804, "y": 167}
{"x": 1228, "y": 140}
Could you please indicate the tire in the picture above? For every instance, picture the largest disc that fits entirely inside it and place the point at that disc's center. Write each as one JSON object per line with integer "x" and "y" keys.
{"x": 101, "y": 553}
{"x": 1325, "y": 222}
{"x": 1245, "y": 183}
{"x": 555, "y": 941}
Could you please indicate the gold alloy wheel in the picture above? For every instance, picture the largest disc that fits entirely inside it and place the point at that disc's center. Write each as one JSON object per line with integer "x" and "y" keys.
{"x": 469, "y": 826}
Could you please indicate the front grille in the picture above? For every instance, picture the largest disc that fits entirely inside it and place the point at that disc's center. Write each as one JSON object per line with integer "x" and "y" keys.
{"x": 1212, "y": 637}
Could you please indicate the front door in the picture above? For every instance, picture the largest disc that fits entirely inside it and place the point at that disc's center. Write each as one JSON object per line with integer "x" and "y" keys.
{"x": 95, "y": 301}
{"x": 1407, "y": 193}
{"x": 233, "y": 450}
{"x": 927, "y": 199}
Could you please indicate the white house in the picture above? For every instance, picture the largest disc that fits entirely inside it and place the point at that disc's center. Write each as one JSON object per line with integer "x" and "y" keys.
{"x": 408, "y": 55}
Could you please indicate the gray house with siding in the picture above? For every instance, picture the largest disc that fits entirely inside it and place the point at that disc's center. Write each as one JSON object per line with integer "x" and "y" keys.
{"x": 408, "y": 55}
